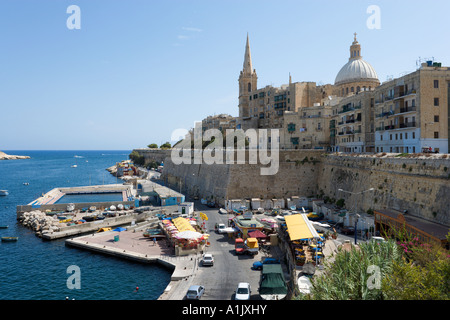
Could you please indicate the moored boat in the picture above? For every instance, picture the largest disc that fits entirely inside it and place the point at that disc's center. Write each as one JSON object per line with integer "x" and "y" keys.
{"x": 9, "y": 239}
{"x": 4, "y": 192}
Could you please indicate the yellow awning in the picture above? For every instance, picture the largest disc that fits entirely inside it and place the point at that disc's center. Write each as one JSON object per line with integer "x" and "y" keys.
{"x": 300, "y": 227}
{"x": 182, "y": 224}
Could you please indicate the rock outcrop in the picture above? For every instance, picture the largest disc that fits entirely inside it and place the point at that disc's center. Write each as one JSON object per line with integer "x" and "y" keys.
{"x": 4, "y": 156}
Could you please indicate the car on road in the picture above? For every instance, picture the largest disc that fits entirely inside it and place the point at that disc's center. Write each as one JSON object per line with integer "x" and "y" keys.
{"x": 259, "y": 264}
{"x": 220, "y": 227}
{"x": 208, "y": 259}
{"x": 243, "y": 291}
{"x": 378, "y": 239}
{"x": 195, "y": 292}
{"x": 348, "y": 230}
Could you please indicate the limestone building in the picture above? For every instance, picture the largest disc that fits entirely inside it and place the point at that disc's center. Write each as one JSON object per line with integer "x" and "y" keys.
{"x": 265, "y": 107}
{"x": 356, "y": 113}
{"x": 352, "y": 124}
{"x": 309, "y": 127}
{"x": 412, "y": 112}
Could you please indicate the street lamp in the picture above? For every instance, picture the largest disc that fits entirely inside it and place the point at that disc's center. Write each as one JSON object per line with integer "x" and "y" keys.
{"x": 356, "y": 207}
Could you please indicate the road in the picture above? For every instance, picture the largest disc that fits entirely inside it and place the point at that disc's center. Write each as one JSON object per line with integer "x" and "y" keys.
{"x": 220, "y": 281}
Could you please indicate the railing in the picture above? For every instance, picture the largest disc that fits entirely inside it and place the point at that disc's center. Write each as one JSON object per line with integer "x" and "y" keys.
{"x": 407, "y": 109}
{"x": 408, "y": 125}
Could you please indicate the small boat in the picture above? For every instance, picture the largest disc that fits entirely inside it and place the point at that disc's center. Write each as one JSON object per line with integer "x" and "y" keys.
{"x": 9, "y": 239}
{"x": 4, "y": 227}
{"x": 74, "y": 166}
{"x": 92, "y": 208}
{"x": 4, "y": 192}
{"x": 26, "y": 183}
{"x": 70, "y": 207}
{"x": 222, "y": 211}
{"x": 304, "y": 284}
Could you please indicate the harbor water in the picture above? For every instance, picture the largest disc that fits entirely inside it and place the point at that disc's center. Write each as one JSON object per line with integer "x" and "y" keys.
{"x": 35, "y": 269}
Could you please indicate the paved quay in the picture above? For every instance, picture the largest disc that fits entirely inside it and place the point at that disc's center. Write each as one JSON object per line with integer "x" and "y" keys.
{"x": 220, "y": 280}
{"x": 133, "y": 245}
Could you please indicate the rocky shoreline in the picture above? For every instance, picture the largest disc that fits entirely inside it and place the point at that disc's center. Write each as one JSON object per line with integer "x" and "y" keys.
{"x": 4, "y": 156}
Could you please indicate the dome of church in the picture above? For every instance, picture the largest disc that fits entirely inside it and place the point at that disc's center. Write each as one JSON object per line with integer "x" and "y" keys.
{"x": 356, "y": 70}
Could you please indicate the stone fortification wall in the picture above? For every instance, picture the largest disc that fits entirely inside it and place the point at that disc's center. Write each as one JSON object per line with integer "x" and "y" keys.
{"x": 157, "y": 155}
{"x": 419, "y": 185}
{"x": 296, "y": 176}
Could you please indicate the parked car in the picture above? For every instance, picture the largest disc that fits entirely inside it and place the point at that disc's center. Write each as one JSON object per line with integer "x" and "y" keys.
{"x": 219, "y": 227}
{"x": 243, "y": 291}
{"x": 208, "y": 259}
{"x": 378, "y": 239}
{"x": 348, "y": 230}
{"x": 259, "y": 264}
{"x": 195, "y": 292}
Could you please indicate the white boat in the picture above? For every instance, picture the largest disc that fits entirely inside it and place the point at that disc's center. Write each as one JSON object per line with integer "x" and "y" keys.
{"x": 74, "y": 166}
{"x": 304, "y": 284}
{"x": 70, "y": 207}
{"x": 4, "y": 192}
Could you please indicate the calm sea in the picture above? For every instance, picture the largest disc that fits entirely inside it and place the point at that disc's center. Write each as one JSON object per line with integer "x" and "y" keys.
{"x": 34, "y": 269}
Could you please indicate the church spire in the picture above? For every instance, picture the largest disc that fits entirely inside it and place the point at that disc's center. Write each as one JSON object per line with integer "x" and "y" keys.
{"x": 248, "y": 69}
{"x": 355, "y": 49}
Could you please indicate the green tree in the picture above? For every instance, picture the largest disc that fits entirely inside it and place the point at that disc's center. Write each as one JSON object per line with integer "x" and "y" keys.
{"x": 137, "y": 158}
{"x": 340, "y": 203}
{"x": 166, "y": 145}
{"x": 349, "y": 276}
{"x": 153, "y": 146}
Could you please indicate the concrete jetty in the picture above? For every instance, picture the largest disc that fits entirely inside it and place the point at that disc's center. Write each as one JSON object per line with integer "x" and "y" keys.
{"x": 132, "y": 245}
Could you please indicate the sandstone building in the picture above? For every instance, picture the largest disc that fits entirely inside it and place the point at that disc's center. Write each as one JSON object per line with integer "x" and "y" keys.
{"x": 355, "y": 114}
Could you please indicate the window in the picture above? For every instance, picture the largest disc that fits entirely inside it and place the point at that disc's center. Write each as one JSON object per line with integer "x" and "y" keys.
{"x": 413, "y": 135}
{"x": 436, "y": 135}
{"x": 436, "y": 118}
{"x": 406, "y": 135}
{"x": 249, "y": 87}
{"x": 381, "y": 137}
{"x": 436, "y": 84}
{"x": 401, "y": 136}
{"x": 436, "y": 102}
{"x": 390, "y": 137}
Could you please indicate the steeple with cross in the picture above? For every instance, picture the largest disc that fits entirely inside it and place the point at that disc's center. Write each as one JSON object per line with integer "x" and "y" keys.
{"x": 355, "y": 49}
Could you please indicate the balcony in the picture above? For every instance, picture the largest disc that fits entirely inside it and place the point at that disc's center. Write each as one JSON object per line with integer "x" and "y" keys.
{"x": 348, "y": 108}
{"x": 407, "y": 125}
{"x": 407, "y": 109}
{"x": 385, "y": 114}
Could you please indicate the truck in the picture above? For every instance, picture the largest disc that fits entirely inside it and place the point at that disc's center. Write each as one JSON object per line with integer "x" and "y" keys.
{"x": 239, "y": 246}
{"x": 249, "y": 246}
{"x": 252, "y": 246}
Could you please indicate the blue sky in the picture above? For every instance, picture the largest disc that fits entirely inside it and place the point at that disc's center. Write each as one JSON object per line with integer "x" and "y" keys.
{"x": 138, "y": 70}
